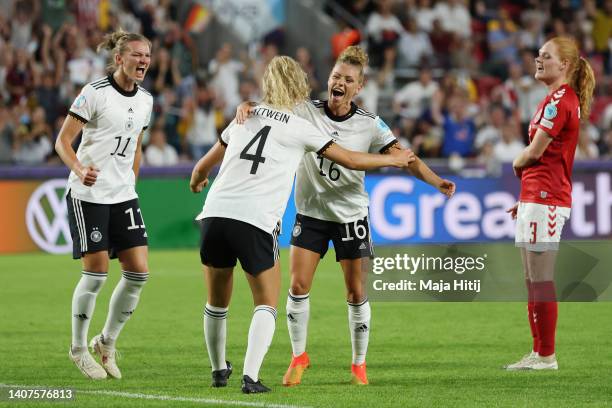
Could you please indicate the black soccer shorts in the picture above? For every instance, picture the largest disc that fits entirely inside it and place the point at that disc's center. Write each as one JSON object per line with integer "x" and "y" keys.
{"x": 224, "y": 240}
{"x": 111, "y": 227}
{"x": 351, "y": 240}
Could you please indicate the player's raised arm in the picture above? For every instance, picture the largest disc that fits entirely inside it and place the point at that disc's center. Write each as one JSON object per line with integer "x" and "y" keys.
{"x": 199, "y": 175}
{"x": 63, "y": 146}
{"x": 420, "y": 170}
{"x": 367, "y": 161}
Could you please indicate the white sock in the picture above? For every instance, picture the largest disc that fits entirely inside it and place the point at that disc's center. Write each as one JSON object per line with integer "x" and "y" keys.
{"x": 83, "y": 304}
{"x": 260, "y": 338}
{"x": 298, "y": 313}
{"x": 215, "y": 323}
{"x": 123, "y": 302}
{"x": 359, "y": 325}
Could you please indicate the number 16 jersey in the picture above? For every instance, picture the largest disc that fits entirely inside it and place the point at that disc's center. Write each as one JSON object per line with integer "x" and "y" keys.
{"x": 113, "y": 120}
{"x": 261, "y": 158}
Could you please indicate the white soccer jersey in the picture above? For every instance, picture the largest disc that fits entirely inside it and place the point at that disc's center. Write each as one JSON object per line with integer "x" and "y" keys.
{"x": 325, "y": 190}
{"x": 114, "y": 119}
{"x": 261, "y": 158}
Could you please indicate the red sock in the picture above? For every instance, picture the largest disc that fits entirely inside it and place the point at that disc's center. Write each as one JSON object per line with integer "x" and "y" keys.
{"x": 545, "y": 309}
{"x": 530, "y": 315}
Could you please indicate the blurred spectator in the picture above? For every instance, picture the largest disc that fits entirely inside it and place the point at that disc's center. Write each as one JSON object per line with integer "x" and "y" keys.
{"x": 201, "y": 117}
{"x": 6, "y": 139}
{"x": 345, "y": 37}
{"x": 383, "y": 29}
{"x": 20, "y": 76}
{"x": 606, "y": 145}
{"x": 21, "y": 24}
{"x": 491, "y": 132}
{"x": 303, "y": 57}
{"x": 412, "y": 100}
{"x": 455, "y": 17}
{"x": 458, "y": 129}
{"x": 586, "y": 148}
{"x": 163, "y": 73}
{"x": 441, "y": 41}
{"x": 258, "y": 67}
{"x": 424, "y": 15}
{"x": 602, "y": 29}
{"x": 225, "y": 73}
{"x": 32, "y": 142}
{"x": 158, "y": 152}
{"x": 414, "y": 47}
{"x": 502, "y": 41}
{"x": 510, "y": 145}
{"x": 181, "y": 47}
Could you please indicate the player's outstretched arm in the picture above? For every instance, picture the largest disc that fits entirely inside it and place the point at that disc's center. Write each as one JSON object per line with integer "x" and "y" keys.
{"x": 532, "y": 153}
{"x": 366, "y": 161}
{"x": 199, "y": 175}
{"x": 63, "y": 146}
{"x": 420, "y": 170}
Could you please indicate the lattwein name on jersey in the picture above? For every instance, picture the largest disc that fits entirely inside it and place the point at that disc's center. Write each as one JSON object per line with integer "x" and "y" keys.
{"x": 270, "y": 114}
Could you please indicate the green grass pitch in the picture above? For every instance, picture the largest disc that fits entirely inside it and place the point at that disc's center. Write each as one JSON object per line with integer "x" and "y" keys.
{"x": 420, "y": 354}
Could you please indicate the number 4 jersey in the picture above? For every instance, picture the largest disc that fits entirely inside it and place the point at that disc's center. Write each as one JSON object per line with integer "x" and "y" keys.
{"x": 113, "y": 121}
{"x": 259, "y": 166}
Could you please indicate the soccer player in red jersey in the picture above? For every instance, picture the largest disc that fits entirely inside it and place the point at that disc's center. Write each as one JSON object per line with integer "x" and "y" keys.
{"x": 545, "y": 170}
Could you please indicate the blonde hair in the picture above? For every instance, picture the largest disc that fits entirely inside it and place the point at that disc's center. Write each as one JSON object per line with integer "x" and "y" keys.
{"x": 117, "y": 43}
{"x": 284, "y": 83}
{"x": 580, "y": 75}
{"x": 356, "y": 56}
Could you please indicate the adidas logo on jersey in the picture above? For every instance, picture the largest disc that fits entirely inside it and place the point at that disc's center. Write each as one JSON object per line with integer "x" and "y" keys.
{"x": 130, "y": 110}
{"x": 363, "y": 245}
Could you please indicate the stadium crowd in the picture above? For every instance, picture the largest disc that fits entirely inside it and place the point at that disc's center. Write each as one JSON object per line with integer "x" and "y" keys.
{"x": 457, "y": 77}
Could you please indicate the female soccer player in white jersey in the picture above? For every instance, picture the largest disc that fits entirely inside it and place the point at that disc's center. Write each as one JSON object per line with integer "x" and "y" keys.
{"x": 103, "y": 210}
{"x": 545, "y": 170}
{"x": 242, "y": 212}
{"x": 332, "y": 204}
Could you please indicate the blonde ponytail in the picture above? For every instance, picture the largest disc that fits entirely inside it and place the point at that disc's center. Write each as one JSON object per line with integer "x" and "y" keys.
{"x": 583, "y": 82}
{"x": 284, "y": 83}
{"x": 580, "y": 76}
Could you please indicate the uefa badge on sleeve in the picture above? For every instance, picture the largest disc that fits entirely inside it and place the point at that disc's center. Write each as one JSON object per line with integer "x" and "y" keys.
{"x": 550, "y": 111}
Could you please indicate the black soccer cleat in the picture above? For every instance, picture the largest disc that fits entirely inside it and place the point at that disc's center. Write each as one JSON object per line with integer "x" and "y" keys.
{"x": 251, "y": 387}
{"x": 220, "y": 377}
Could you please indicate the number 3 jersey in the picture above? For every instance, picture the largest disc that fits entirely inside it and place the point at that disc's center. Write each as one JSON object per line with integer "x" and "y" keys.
{"x": 113, "y": 121}
{"x": 325, "y": 190}
{"x": 549, "y": 180}
{"x": 261, "y": 158}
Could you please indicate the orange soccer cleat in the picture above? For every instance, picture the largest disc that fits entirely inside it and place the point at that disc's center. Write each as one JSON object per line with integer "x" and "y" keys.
{"x": 358, "y": 374}
{"x": 298, "y": 365}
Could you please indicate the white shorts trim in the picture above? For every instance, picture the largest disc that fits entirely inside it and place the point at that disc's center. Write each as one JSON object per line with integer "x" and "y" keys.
{"x": 539, "y": 226}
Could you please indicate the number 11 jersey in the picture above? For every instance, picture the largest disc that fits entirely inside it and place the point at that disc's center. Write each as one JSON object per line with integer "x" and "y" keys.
{"x": 113, "y": 120}
{"x": 261, "y": 158}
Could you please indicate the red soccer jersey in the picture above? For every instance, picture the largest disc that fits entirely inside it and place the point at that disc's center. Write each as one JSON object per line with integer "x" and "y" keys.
{"x": 549, "y": 180}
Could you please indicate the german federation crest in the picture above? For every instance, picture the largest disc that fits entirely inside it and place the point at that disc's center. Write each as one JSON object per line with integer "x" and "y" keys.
{"x": 550, "y": 111}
